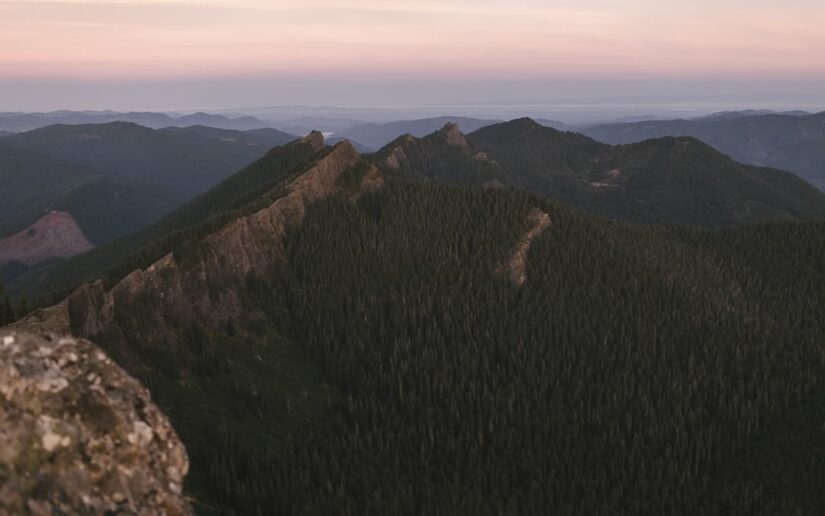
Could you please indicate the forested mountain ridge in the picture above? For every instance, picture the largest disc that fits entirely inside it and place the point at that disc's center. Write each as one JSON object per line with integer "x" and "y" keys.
{"x": 112, "y": 179}
{"x": 185, "y": 282}
{"x": 788, "y": 141}
{"x": 376, "y": 135}
{"x": 668, "y": 180}
{"x": 105, "y": 206}
{"x": 149, "y": 244}
{"x": 347, "y": 343}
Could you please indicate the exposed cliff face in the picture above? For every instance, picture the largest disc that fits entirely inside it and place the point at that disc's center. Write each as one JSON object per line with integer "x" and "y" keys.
{"x": 55, "y": 235}
{"x": 175, "y": 289}
{"x": 397, "y": 155}
{"x": 80, "y": 436}
{"x": 454, "y": 136}
{"x": 315, "y": 139}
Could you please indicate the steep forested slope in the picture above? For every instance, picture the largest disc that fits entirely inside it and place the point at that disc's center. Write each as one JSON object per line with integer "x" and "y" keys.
{"x": 787, "y": 141}
{"x": 105, "y": 206}
{"x": 354, "y": 344}
{"x": 670, "y": 180}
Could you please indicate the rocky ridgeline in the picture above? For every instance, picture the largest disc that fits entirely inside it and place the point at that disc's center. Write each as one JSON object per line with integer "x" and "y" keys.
{"x": 80, "y": 436}
{"x": 204, "y": 289}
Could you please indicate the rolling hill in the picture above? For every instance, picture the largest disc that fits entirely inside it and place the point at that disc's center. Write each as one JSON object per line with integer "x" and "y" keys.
{"x": 793, "y": 141}
{"x": 191, "y": 159}
{"x": 352, "y": 341}
{"x": 667, "y": 180}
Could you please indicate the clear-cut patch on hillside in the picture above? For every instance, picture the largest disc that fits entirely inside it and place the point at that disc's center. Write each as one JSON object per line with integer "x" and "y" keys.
{"x": 517, "y": 260}
{"x": 55, "y": 235}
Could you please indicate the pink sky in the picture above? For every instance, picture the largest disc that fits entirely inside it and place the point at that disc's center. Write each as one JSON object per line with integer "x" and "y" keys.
{"x": 458, "y": 39}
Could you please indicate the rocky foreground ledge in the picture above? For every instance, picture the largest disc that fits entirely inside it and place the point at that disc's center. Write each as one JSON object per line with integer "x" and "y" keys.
{"x": 80, "y": 436}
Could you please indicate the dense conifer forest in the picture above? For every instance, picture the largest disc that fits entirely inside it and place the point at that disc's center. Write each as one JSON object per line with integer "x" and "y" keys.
{"x": 389, "y": 364}
{"x": 390, "y": 367}
{"x": 664, "y": 180}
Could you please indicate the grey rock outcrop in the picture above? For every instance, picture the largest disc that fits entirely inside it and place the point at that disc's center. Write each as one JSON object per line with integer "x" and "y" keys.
{"x": 80, "y": 436}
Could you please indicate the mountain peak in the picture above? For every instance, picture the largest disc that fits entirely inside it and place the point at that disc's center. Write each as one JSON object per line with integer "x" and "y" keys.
{"x": 453, "y": 135}
{"x": 521, "y": 130}
{"x": 525, "y": 123}
{"x": 315, "y": 139}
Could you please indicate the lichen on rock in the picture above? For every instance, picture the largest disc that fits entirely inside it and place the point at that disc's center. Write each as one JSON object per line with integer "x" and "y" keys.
{"x": 78, "y": 435}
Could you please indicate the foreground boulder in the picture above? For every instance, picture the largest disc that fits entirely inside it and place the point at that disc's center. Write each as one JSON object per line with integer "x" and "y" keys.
{"x": 80, "y": 436}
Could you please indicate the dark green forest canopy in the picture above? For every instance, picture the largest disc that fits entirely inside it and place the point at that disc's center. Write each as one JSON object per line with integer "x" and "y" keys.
{"x": 665, "y": 180}
{"x": 786, "y": 141}
{"x": 104, "y": 206}
{"x": 389, "y": 367}
{"x": 669, "y": 180}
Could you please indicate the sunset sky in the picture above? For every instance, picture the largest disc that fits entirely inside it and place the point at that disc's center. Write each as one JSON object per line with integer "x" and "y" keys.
{"x": 300, "y": 49}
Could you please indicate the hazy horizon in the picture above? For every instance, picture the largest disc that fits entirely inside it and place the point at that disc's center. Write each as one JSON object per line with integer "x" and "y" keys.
{"x": 220, "y": 54}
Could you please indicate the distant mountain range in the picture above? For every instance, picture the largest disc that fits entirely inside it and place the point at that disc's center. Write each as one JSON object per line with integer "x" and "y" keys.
{"x": 20, "y": 122}
{"x": 191, "y": 159}
{"x": 723, "y": 115}
{"x": 306, "y": 124}
{"x": 792, "y": 141}
{"x": 671, "y": 180}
